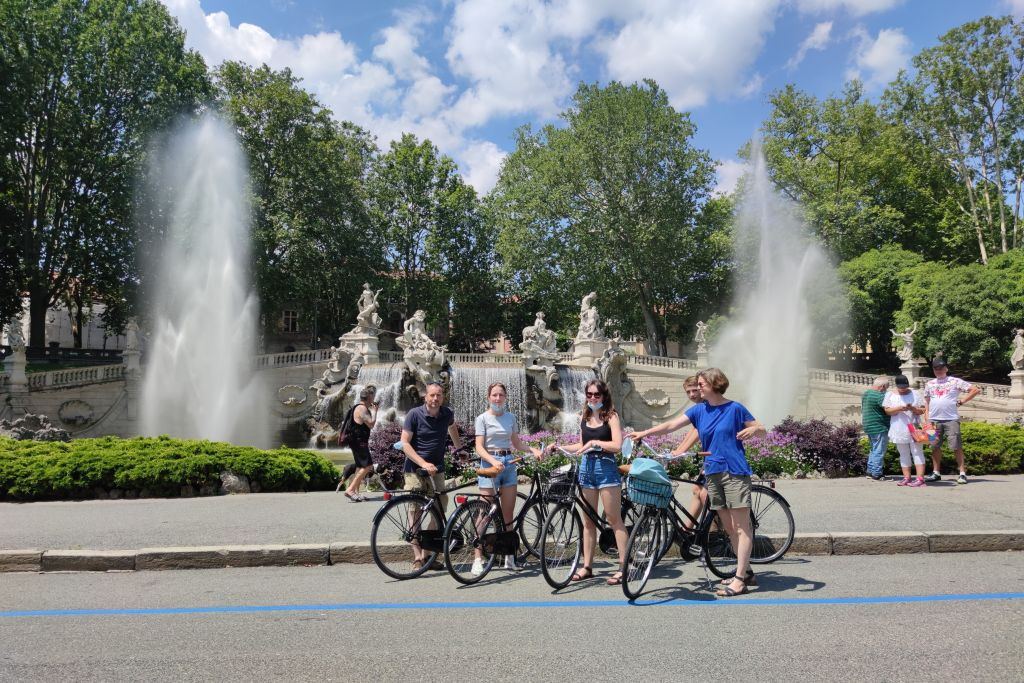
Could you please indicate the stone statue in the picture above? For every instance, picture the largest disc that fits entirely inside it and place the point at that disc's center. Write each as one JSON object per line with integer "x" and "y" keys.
{"x": 590, "y": 321}
{"x": 701, "y": 336}
{"x": 906, "y": 353}
{"x": 368, "y": 319}
{"x": 1017, "y": 357}
{"x": 422, "y": 356}
{"x": 342, "y": 369}
{"x": 609, "y": 366}
{"x": 15, "y": 335}
{"x": 131, "y": 335}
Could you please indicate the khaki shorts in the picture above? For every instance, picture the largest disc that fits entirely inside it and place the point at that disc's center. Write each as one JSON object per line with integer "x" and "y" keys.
{"x": 950, "y": 431}
{"x": 728, "y": 491}
{"x": 415, "y": 482}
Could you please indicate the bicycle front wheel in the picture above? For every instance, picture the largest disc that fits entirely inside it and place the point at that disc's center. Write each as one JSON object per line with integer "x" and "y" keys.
{"x": 530, "y": 525}
{"x": 641, "y": 553}
{"x": 561, "y": 544}
{"x": 465, "y": 556}
{"x": 718, "y": 553}
{"x": 772, "y": 524}
{"x": 397, "y": 536}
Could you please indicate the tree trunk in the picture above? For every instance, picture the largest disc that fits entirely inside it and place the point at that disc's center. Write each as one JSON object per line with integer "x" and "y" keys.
{"x": 1018, "y": 181}
{"x": 655, "y": 342}
{"x": 999, "y": 177}
{"x": 38, "y": 304}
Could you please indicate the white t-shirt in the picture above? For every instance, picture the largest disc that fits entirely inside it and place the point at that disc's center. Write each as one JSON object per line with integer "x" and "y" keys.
{"x": 497, "y": 430}
{"x": 942, "y": 397}
{"x": 898, "y": 432}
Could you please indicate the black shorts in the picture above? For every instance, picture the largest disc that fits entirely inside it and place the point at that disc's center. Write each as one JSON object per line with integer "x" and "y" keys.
{"x": 361, "y": 451}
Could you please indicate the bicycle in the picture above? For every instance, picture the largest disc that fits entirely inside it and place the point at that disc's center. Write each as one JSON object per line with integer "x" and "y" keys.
{"x": 561, "y": 541}
{"x": 478, "y": 525}
{"x": 410, "y": 521}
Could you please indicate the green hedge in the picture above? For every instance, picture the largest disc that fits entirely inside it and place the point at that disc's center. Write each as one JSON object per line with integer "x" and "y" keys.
{"x": 161, "y": 466}
{"x": 988, "y": 449}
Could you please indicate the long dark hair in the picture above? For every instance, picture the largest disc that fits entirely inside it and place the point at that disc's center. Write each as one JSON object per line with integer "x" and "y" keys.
{"x": 607, "y": 409}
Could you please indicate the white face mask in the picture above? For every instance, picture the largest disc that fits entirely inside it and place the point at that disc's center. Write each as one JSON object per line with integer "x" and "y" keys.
{"x": 497, "y": 408}
{"x": 596, "y": 406}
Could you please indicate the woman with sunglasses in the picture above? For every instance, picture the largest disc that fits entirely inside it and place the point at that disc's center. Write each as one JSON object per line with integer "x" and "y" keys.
{"x": 497, "y": 439}
{"x": 600, "y": 440}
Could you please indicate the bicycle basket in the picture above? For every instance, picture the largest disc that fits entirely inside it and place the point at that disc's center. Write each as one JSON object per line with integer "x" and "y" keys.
{"x": 643, "y": 492}
{"x": 561, "y": 483}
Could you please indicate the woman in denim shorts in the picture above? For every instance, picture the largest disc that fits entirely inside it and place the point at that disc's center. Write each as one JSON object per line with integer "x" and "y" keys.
{"x": 600, "y": 440}
{"x": 497, "y": 440}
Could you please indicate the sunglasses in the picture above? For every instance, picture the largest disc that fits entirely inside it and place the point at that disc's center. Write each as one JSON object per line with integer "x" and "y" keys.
{"x": 594, "y": 394}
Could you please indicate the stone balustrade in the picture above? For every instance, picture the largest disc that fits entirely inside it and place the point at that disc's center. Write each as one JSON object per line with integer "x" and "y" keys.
{"x": 75, "y": 377}
{"x": 664, "y": 362}
{"x": 280, "y": 360}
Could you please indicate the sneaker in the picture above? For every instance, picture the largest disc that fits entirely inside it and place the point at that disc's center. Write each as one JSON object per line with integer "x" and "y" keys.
{"x": 962, "y": 479}
{"x": 510, "y": 563}
{"x": 934, "y": 476}
{"x": 478, "y": 567}
{"x": 878, "y": 477}
{"x": 903, "y": 482}
{"x": 916, "y": 483}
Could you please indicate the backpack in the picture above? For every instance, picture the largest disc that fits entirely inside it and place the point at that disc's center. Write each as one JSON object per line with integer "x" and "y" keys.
{"x": 346, "y": 427}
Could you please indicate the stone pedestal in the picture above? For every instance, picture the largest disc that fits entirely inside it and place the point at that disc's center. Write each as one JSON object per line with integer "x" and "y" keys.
{"x": 912, "y": 369}
{"x": 703, "y": 359}
{"x": 14, "y": 367}
{"x": 1017, "y": 390}
{"x": 365, "y": 343}
{"x": 586, "y": 351}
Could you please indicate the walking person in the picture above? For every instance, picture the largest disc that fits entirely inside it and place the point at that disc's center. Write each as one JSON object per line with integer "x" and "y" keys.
{"x": 876, "y": 426}
{"x": 600, "y": 440}
{"x": 942, "y": 398}
{"x": 424, "y": 441}
{"x": 364, "y": 417}
{"x": 903, "y": 407}
{"x": 497, "y": 440}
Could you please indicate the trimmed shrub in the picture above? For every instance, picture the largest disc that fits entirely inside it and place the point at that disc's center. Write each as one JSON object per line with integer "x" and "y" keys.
{"x": 160, "y": 466}
{"x": 834, "y": 450}
{"x": 988, "y": 449}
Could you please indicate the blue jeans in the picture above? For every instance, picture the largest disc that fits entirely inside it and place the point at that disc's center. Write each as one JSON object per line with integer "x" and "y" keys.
{"x": 876, "y": 463}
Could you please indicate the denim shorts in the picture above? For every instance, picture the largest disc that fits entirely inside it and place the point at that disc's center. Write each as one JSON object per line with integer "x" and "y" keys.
{"x": 507, "y": 477}
{"x": 599, "y": 472}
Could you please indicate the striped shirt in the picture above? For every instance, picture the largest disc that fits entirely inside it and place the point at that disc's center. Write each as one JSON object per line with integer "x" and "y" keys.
{"x": 875, "y": 419}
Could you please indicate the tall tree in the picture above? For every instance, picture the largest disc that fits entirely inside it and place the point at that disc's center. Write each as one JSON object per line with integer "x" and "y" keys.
{"x": 613, "y": 202}
{"x": 308, "y": 177}
{"x": 84, "y": 84}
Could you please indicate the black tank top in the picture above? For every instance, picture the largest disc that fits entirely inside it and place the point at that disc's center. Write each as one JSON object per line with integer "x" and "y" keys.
{"x": 602, "y": 433}
{"x": 360, "y": 432}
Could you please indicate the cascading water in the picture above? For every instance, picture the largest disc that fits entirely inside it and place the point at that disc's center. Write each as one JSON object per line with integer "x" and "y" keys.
{"x": 388, "y": 381}
{"x": 468, "y": 391}
{"x": 572, "y": 382}
{"x": 199, "y": 381}
{"x": 763, "y": 348}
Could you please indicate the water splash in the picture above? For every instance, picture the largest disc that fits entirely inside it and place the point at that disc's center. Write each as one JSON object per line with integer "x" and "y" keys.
{"x": 468, "y": 391}
{"x": 763, "y": 349}
{"x": 572, "y": 382}
{"x": 199, "y": 382}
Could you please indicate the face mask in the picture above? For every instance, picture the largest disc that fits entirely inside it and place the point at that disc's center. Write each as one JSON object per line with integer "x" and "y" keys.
{"x": 499, "y": 409}
{"x": 596, "y": 406}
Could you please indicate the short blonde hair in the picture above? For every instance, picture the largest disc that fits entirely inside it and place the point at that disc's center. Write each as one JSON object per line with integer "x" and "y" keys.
{"x": 690, "y": 381}
{"x": 716, "y": 378}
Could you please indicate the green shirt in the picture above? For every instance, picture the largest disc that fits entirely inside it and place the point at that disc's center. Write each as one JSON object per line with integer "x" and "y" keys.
{"x": 875, "y": 419}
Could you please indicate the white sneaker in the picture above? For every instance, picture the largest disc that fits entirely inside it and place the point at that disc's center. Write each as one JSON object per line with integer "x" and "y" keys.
{"x": 478, "y": 567}
{"x": 510, "y": 562}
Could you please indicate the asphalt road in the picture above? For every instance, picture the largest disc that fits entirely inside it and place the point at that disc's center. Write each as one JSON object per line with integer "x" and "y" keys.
{"x": 987, "y": 503}
{"x": 892, "y": 618}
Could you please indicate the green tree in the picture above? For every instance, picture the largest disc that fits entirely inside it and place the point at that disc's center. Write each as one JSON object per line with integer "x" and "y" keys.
{"x": 863, "y": 181}
{"x": 615, "y": 201}
{"x": 873, "y": 286}
{"x": 84, "y": 85}
{"x": 965, "y": 101}
{"x": 308, "y": 177}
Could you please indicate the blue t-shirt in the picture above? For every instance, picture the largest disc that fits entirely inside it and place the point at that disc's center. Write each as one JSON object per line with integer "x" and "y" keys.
{"x": 429, "y": 435}
{"x": 717, "y": 427}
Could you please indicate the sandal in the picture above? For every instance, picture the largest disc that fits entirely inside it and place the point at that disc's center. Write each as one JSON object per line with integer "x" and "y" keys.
{"x": 750, "y": 580}
{"x": 615, "y": 579}
{"x": 729, "y": 591}
{"x": 354, "y": 499}
{"x": 584, "y": 573}
{"x": 417, "y": 565}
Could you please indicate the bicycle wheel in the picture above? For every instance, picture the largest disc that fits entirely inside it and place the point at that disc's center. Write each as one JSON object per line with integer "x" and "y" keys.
{"x": 464, "y": 556}
{"x": 772, "y": 523}
{"x": 641, "y": 553}
{"x": 397, "y": 531}
{"x": 561, "y": 544}
{"x": 530, "y": 525}
{"x": 718, "y": 554}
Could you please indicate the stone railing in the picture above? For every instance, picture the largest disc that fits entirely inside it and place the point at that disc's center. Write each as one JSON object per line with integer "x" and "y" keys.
{"x": 280, "y": 360}
{"x": 999, "y": 392}
{"x": 499, "y": 358}
{"x": 664, "y": 362}
{"x": 996, "y": 391}
{"x": 75, "y": 376}
{"x": 390, "y": 356}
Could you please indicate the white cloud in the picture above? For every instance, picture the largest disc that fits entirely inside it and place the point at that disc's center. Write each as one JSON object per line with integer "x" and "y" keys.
{"x": 1015, "y": 7}
{"x": 855, "y": 7}
{"x": 400, "y": 44}
{"x": 483, "y": 161}
{"x": 877, "y": 61}
{"x": 728, "y": 175}
{"x": 817, "y": 40}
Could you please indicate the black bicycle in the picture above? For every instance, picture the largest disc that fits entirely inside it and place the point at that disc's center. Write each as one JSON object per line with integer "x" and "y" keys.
{"x": 561, "y": 542}
{"x": 408, "y": 531}
{"x": 476, "y": 535}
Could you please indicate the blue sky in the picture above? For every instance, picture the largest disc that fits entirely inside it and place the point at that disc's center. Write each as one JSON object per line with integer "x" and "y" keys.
{"x": 466, "y": 73}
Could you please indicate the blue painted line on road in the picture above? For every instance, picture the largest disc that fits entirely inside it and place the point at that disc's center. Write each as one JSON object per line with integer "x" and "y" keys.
{"x": 376, "y": 606}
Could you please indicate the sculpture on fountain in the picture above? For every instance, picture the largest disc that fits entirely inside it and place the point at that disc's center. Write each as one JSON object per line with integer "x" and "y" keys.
{"x": 540, "y": 348}
{"x": 15, "y": 335}
{"x": 906, "y": 353}
{"x": 421, "y": 355}
{"x": 612, "y": 362}
{"x": 367, "y": 320}
{"x": 590, "y": 321}
{"x": 1017, "y": 357}
{"x": 701, "y": 337}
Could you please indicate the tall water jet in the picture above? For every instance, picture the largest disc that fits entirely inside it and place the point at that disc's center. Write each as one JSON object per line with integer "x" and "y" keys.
{"x": 763, "y": 348}
{"x": 199, "y": 381}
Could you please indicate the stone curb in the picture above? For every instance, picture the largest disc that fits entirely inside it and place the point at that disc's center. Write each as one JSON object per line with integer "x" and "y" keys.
{"x": 215, "y": 557}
